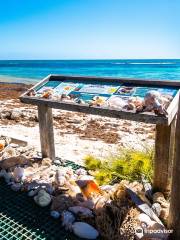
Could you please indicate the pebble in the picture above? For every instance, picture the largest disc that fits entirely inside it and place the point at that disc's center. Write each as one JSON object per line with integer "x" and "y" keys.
{"x": 55, "y": 214}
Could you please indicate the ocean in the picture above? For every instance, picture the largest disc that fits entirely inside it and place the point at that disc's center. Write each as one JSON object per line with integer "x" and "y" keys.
{"x": 31, "y": 71}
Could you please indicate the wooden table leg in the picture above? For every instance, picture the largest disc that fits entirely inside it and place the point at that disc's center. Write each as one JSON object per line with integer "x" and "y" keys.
{"x": 174, "y": 213}
{"x": 162, "y": 161}
{"x": 46, "y": 131}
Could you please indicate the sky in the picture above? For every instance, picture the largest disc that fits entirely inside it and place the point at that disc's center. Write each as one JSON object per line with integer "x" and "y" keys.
{"x": 89, "y": 29}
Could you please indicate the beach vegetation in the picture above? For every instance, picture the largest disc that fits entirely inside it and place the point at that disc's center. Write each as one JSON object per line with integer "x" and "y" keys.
{"x": 126, "y": 164}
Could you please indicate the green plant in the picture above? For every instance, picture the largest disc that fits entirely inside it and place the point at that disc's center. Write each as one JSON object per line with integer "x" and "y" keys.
{"x": 126, "y": 164}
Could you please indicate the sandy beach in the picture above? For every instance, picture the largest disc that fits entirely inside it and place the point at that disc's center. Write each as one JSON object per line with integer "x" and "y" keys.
{"x": 76, "y": 134}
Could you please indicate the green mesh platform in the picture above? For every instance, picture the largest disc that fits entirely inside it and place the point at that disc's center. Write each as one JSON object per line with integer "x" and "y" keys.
{"x": 22, "y": 219}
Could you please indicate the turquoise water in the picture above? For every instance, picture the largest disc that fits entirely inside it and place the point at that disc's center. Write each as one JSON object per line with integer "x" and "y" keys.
{"x": 32, "y": 70}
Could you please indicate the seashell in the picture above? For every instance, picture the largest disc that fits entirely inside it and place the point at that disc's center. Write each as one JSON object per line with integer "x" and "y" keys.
{"x": 116, "y": 102}
{"x": 8, "y": 152}
{"x": 67, "y": 220}
{"x": 43, "y": 199}
{"x": 47, "y": 93}
{"x": 88, "y": 188}
{"x": 78, "y": 210}
{"x": 159, "y": 198}
{"x": 18, "y": 173}
{"x": 84, "y": 230}
{"x": 156, "y": 207}
{"x": 143, "y": 218}
{"x": 106, "y": 187}
{"x": 55, "y": 214}
{"x": 81, "y": 171}
{"x": 16, "y": 187}
{"x": 86, "y": 177}
{"x": 2, "y": 145}
{"x": 46, "y": 162}
{"x": 101, "y": 201}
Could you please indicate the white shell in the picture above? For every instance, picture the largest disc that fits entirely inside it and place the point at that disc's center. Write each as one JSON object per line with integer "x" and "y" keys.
{"x": 116, "y": 102}
{"x": 81, "y": 171}
{"x": 143, "y": 218}
{"x": 84, "y": 230}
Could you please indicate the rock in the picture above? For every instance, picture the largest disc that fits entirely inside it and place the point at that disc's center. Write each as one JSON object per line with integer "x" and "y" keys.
{"x": 84, "y": 230}
{"x": 43, "y": 199}
{"x": 32, "y": 193}
{"x": 67, "y": 220}
{"x": 18, "y": 174}
{"x": 16, "y": 187}
{"x": 55, "y": 214}
{"x": 82, "y": 211}
{"x": 16, "y": 115}
{"x": 14, "y": 161}
{"x": 5, "y": 115}
{"x": 7, "y": 176}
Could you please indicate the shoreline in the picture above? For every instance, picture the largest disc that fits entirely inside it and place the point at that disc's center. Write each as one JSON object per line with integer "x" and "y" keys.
{"x": 18, "y": 80}
{"x": 12, "y": 90}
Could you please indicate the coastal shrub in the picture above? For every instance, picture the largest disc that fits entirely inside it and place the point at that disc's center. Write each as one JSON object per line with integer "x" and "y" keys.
{"x": 127, "y": 164}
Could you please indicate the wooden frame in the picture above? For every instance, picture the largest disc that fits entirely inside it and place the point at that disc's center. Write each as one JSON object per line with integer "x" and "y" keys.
{"x": 103, "y": 111}
{"x": 164, "y": 126}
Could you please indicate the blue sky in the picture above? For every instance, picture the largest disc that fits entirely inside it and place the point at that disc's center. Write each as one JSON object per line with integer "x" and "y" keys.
{"x": 89, "y": 29}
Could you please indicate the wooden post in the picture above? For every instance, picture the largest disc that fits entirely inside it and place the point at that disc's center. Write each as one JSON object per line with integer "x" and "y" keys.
{"x": 162, "y": 161}
{"x": 174, "y": 212}
{"x": 46, "y": 131}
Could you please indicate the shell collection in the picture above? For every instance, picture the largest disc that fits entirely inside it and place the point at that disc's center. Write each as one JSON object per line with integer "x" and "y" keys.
{"x": 121, "y": 97}
{"x": 77, "y": 202}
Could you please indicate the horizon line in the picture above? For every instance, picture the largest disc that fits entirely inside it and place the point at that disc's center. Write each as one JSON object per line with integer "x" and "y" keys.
{"x": 86, "y": 59}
